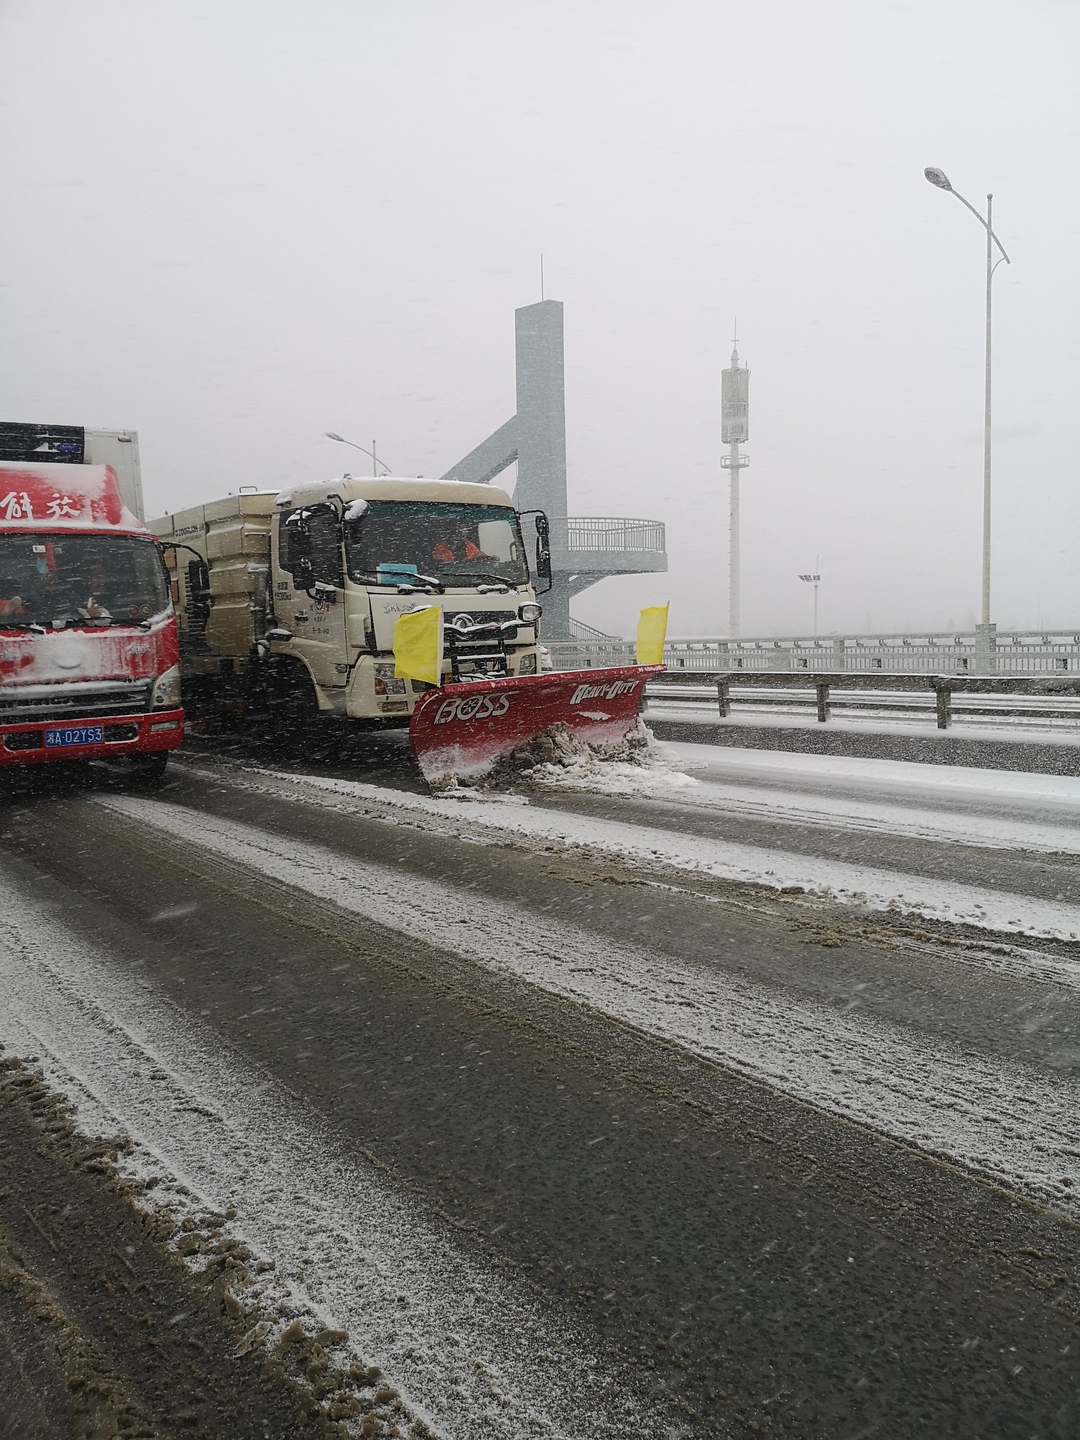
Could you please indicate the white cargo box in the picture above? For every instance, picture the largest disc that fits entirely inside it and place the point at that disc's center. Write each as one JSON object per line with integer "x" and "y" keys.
{"x": 120, "y": 449}
{"x": 76, "y": 445}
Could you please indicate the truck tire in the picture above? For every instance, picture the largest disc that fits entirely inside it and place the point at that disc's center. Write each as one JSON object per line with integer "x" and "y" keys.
{"x": 294, "y": 707}
{"x": 148, "y": 771}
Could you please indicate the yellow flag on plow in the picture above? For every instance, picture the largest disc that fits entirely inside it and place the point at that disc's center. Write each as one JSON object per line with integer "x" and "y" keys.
{"x": 418, "y": 645}
{"x": 651, "y": 632}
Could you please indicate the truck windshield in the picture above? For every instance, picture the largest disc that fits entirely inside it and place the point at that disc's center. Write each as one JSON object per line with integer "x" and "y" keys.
{"x": 63, "y": 580}
{"x": 456, "y": 544}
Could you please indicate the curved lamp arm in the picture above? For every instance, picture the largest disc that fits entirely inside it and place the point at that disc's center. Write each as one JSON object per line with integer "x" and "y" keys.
{"x": 941, "y": 180}
{"x": 342, "y": 441}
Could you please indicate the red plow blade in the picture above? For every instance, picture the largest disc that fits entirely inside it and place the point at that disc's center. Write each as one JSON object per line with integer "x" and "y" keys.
{"x": 458, "y": 732}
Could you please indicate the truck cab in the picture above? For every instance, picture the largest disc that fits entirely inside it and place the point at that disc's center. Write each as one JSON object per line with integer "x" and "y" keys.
{"x": 88, "y": 637}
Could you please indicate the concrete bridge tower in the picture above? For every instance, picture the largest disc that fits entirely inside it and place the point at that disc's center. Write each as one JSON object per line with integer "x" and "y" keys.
{"x": 583, "y": 550}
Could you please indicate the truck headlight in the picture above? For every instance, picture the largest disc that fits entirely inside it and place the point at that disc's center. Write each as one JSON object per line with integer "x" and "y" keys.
{"x": 530, "y": 612}
{"x": 166, "y": 694}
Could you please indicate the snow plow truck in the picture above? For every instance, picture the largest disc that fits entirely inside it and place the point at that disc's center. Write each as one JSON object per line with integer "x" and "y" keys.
{"x": 291, "y": 605}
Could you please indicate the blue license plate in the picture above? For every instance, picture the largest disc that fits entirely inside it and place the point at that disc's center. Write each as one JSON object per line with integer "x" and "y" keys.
{"x": 75, "y": 735}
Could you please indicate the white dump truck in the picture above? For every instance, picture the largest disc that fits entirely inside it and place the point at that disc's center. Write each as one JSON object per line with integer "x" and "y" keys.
{"x": 288, "y": 603}
{"x": 291, "y": 598}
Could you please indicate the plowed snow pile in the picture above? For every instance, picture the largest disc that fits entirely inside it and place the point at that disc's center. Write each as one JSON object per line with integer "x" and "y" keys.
{"x": 557, "y": 759}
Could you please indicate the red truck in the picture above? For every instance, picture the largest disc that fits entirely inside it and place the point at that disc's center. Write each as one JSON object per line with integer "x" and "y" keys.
{"x": 89, "y": 647}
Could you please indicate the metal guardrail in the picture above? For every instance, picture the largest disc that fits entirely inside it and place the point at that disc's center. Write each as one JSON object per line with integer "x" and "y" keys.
{"x": 1024, "y": 701}
{"x": 1015, "y": 653}
{"x": 607, "y": 533}
{"x": 589, "y": 654}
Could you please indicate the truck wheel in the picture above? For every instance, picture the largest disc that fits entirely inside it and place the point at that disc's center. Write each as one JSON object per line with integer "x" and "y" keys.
{"x": 148, "y": 771}
{"x": 294, "y": 708}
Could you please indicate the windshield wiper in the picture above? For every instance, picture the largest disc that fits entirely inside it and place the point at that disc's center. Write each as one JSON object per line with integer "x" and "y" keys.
{"x": 482, "y": 576}
{"x": 413, "y": 582}
{"x": 417, "y": 582}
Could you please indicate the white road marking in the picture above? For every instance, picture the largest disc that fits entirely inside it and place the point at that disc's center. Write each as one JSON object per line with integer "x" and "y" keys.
{"x": 469, "y": 1354}
{"x": 999, "y": 1117}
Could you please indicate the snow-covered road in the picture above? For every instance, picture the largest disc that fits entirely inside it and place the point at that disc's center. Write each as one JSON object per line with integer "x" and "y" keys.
{"x": 1012, "y": 1123}
{"x": 670, "y": 840}
{"x": 576, "y": 1108}
{"x": 344, "y": 1249}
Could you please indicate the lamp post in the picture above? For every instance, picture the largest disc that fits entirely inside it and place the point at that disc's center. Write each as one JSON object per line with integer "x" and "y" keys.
{"x": 814, "y": 580}
{"x": 941, "y": 180}
{"x": 375, "y": 461}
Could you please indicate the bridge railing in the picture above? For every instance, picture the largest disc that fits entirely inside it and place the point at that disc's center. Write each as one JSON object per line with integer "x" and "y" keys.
{"x": 607, "y": 534}
{"x": 1011, "y": 653}
{"x": 1021, "y": 702}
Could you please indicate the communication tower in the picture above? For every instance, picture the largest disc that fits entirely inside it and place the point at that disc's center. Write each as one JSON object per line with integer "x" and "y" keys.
{"x": 734, "y": 430}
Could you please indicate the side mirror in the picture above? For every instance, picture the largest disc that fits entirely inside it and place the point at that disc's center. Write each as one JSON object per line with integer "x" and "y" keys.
{"x": 543, "y": 550}
{"x": 297, "y": 557}
{"x": 303, "y": 572}
{"x": 312, "y": 553}
{"x": 198, "y": 593}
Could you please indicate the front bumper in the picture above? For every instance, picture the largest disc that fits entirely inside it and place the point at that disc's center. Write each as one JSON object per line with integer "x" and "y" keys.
{"x": 374, "y": 692}
{"x": 143, "y": 733}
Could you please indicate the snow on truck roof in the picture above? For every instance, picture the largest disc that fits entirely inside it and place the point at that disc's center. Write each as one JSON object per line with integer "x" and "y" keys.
{"x": 396, "y": 487}
{"x": 63, "y": 497}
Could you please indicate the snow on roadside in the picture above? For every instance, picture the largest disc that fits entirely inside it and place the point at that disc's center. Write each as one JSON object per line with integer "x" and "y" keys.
{"x": 471, "y": 1357}
{"x": 798, "y": 807}
{"x": 862, "y": 886}
{"x": 999, "y": 1117}
{"x": 937, "y": 784}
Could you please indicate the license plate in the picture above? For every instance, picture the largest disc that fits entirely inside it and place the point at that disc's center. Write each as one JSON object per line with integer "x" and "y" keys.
{"x": 75, "y": 735}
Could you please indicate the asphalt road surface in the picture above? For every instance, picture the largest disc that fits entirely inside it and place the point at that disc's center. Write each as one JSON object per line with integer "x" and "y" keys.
{"x": 628, "y": 1107}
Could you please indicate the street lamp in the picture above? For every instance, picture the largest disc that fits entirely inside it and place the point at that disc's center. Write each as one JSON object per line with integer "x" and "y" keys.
{"x": 375, "y": 461}
{"x": 941, "y": 180}
{"x": 814, "y": 580}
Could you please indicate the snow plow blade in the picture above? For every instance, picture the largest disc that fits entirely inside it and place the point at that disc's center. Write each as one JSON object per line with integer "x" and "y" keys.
{"x": 459, "y": 732}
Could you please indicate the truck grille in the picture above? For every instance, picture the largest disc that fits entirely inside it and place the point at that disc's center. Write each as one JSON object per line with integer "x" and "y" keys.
{"x": 481, "y": 617}
{"x": 30, "y": 703}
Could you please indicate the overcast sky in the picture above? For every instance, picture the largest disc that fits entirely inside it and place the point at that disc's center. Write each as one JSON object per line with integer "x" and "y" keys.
{"x": 232, "y": 226}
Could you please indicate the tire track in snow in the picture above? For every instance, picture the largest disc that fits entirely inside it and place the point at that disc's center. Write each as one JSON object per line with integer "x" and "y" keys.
{"x": 999, "y": 911}
{"x": 469, "y": 1355}
{"x": 1006, "y": 1121}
